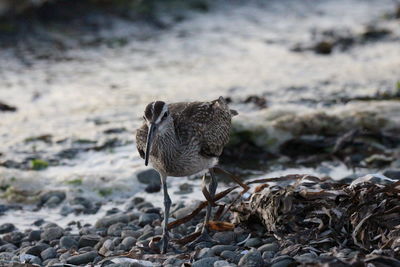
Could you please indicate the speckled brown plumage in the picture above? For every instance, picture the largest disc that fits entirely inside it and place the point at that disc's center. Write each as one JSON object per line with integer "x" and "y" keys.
{"x": 201, "y": 128}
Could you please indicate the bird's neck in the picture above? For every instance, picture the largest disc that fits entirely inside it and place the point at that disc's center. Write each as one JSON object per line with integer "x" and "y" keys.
{"x": 167, "y": 142}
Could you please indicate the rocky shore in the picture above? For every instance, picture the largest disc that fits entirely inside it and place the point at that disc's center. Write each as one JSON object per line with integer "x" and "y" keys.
{"x": 292, "y": 232}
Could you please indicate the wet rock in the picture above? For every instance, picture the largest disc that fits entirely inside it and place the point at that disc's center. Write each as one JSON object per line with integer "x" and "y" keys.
{"x": 8, "y": 248}
{"x": 153, "y": 188}
{"x": 274, "y": 247}
{"x": 149, "y": 176}
{"x": 109, "y": 220}
{"x": 253, "y": 242}
{"x": 48, "y": 253}
{"x": 218, "y": 249}
{"x": 283, "y": 261}
{"x": 259, "y": 101}
{"x": 268, "y": 255}
{"x": 88, "y": 240}
{"x": 107, "y": 247}
{"x": 225, "y": 238}
{"x": 67, "y": 242}
{"x": 182, "y": 212}
{"x": 392, "y": 174}
{"x": 14, "y": 238}
{"x": 6, "y": 228}
{"x": 115, "y": 229}
{"x": 36, "y": 249}
{"x": 185, "y": 188}
{"x": 38, "y": 222}
{"x": 128, "y": 242}
{"x": 323, "y": 47}
{"x": 7, "y": 108}
{"x": 27, "y": 258}
{"x": 115, "y": 130}
{"x": 52, "y": 233}
{"x": 34, "y": 235}
{"x": 252, "y": 259}
{"x": 205, "y": 262}
{"x": 81, "y": 204}
{"x": 6, "y": 256}
{"x": 223, "y": 264}
{"x": 231, "y": 256}
{"x": 83, "y": 258}
{"x": 52, "y": 198}
{"x": 148, "y": 218}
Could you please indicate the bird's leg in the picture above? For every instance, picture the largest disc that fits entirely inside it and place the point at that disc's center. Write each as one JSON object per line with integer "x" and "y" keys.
{"x": 210, "y": 194}
{"x": 167, "y": 205}
{"x": 212, "y": 188}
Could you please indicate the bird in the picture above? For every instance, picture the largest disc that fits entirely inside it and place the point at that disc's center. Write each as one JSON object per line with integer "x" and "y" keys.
{"x": 182, "y": 139}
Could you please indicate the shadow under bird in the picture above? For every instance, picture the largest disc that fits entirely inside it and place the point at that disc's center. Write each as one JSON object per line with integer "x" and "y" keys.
{"x": 182, "y": 139}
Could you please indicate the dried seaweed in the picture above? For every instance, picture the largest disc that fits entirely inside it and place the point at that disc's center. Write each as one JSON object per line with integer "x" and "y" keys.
{"x": 350, "y": 223}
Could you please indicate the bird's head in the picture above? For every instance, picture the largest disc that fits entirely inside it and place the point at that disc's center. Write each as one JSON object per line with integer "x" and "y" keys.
{"x": 158, "y": 119}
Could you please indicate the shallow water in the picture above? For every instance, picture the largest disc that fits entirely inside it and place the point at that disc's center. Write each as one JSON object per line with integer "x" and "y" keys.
{"x": 237, "y": 50}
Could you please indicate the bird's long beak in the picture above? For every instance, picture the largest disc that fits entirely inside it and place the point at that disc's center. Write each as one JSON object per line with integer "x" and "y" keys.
{"x": 150, "y": 136}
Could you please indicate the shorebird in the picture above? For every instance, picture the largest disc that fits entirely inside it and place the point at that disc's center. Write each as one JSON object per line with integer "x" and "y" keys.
{"x": 182, "y": 139}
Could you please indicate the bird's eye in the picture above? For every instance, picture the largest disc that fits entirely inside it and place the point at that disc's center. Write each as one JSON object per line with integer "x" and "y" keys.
{"x": 165, "y": 115}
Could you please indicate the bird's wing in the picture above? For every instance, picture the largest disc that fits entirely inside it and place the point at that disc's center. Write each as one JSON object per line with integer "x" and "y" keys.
{"x": 141, "y": 138}
{"x": 208, "y": 122}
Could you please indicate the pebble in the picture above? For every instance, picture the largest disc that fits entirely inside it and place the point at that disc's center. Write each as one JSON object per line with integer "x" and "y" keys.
{"x": 253, "y": 242}
{"x": 6, "y": 228}
{"x": 52, "y": 233}
{"x": 35, "y": 250}
{"x": 52, "y": 198}
{"x": 6, "y": 256}
{"x": 8, "y": 248}
{"x": 28, "y": 258}
{"x": 218, "y": 249}
{"x": 48, "y": 253}
{"x": 223, "y": 264}
{"x": 82, "y": 258}
{"x": 115, "y": 229}
{"x": 34, "y": 235}
{"x": 205, "y": 262}
{"x": 14, "y": 238}
{"x": 231, "y": 256}
{"x": 252, "y": 259}
{"x": 283, "y": 263}
{"x": 148, "y": 218}
{"x": 274, "y": 247}
{"x": 225, "y": 238}
{"x": 88, "y": 240}
{"x": 128, "y": 242}
{"x": 149, "y": 176}
{"x": 112, "y": 219}
{"x": 68, "y": 242}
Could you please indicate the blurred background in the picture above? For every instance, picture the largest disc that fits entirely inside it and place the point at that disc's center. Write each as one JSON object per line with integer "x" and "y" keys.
{"x": 316, "y": 83}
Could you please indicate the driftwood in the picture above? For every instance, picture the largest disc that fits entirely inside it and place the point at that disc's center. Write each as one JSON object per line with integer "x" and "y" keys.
{"x": 352, "y": 223}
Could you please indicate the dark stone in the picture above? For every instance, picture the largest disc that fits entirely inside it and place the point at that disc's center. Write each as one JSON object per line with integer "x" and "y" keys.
{"x": 48, "y": 253}
{"x": 153, "y": 188}
{"x": 88, "y": 240}
{"x": 52, "y": 198}
{"x": 7, "y": 108}
{"x": 128, "y": 242}
{"x": 149, "y": 176}
{"x": 6, "y": 228}
{"x": 225, "y": 238}
{"x": 38, "y": 222}
{"x": 148, "y": 218}
{"x": 392, "y": 174}
{"x": 323, "y": 47}
{"x": 274, "y": 247}
{"x": 82, "y": 258}
{"x": 34, "y": 235}
{"x": 52, "y": 233}
{"x": 14, "y": 238}
{"x": 36, "y": 249}
{"x": 218, "y": 249}
{"x": 115, "y": 229}
{"x": 109, "y": 220}
{"x": 231, "y": 256}
{"x": 205, "y": 262}
{"x": 8, "y": 248}
{"x": 252, "y": 259}
{"x": 68, "y": 242}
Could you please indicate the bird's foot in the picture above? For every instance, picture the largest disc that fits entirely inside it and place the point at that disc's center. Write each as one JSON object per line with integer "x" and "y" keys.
{"x": 204, "y": 237}
{"x": 163, "y": 244}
